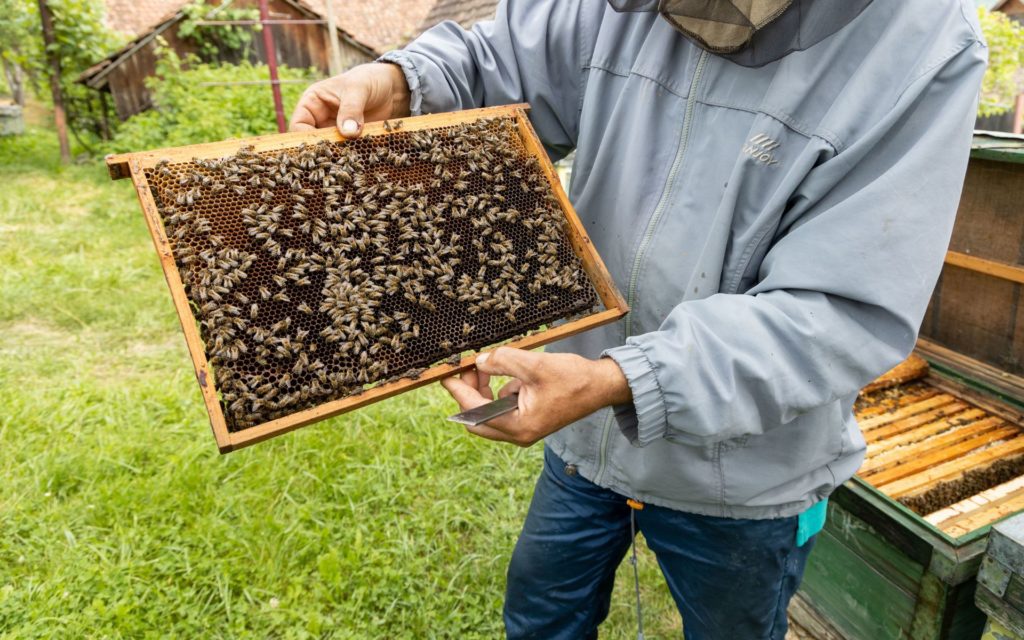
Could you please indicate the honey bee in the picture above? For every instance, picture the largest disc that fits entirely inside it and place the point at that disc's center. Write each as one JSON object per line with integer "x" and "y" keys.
{"x": 413, "y": 374}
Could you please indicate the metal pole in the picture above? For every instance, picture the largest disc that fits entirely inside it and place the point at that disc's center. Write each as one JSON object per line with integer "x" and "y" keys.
{"x": 59, "y": 119}
{"x": 275, "y": 84}
{"x": 332, "y": 35}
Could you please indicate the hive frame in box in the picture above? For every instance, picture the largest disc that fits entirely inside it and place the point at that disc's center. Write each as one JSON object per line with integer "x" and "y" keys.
{"x": 133, "y": 165}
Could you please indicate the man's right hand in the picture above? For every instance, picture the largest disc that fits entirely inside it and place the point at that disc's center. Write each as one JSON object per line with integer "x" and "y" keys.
{"x": 369, "y": 92}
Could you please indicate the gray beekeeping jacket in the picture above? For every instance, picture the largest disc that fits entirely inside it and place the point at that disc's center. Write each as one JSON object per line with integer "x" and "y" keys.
{"x": 777, "y": 230}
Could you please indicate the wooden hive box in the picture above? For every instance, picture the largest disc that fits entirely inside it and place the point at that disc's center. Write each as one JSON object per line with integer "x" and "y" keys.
{"x": 1000, "y": 592}
{"x": 314, "y": 275}
{"x": 949, "y": 443}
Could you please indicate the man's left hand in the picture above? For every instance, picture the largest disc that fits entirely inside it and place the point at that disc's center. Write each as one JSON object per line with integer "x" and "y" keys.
{"x": 555, "y": 389}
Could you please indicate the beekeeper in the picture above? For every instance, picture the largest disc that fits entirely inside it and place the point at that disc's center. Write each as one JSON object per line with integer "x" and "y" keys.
{"x": 772, "y": 185}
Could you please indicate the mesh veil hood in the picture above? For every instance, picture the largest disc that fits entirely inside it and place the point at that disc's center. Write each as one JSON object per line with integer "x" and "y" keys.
{"x": 751, "y": 33}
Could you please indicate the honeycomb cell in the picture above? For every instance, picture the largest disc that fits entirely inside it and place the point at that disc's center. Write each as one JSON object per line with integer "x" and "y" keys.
{"x": 315, "y": 272}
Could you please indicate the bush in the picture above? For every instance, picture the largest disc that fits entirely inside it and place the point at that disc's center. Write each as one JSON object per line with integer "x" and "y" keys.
{"x": 1004, "y": 78}
{"x": 188, "y": 110}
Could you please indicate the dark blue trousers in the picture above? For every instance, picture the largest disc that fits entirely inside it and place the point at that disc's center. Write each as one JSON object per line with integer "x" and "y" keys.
{"x": 731, "y": 579}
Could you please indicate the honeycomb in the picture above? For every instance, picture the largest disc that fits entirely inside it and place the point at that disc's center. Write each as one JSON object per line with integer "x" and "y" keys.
{"x": 317, "y": 271}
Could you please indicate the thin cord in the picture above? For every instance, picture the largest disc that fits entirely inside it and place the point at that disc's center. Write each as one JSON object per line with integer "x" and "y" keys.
{"x": 636, "y": 574}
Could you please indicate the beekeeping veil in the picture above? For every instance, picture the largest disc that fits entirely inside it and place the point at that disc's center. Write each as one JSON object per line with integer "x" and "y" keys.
{"x": 752, "y": 33}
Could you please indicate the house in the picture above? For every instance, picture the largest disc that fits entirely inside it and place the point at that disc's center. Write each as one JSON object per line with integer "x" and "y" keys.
{"x": 122, "y": 75}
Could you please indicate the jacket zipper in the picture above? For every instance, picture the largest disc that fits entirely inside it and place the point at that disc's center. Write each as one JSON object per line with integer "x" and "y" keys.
{"x": 659, "y": 211}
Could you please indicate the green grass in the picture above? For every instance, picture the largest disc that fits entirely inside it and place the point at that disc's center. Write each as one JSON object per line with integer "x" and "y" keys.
{"x": 119, "y": 519}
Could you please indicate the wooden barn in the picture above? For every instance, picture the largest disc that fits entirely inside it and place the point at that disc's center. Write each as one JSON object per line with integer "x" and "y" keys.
{"x": 366, "y": 29}
{"x": 122, "y": 75}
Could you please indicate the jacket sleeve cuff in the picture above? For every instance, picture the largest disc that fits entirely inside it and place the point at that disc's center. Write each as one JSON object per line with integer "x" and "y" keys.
{"x": 412, "y": 77}
{"x": 645, "y": 420}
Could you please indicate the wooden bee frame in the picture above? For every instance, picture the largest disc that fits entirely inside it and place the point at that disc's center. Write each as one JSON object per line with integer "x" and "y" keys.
{"x": 134, "y": 165}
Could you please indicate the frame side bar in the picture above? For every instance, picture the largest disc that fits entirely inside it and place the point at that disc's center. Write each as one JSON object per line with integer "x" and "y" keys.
{"x": 181, "y": 305}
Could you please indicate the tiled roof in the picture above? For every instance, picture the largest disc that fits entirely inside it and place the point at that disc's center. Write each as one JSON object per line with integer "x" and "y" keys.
{"x": 465, "y": 12}
{"x": 381, "y": 24}
{"x": 135, "y": 17}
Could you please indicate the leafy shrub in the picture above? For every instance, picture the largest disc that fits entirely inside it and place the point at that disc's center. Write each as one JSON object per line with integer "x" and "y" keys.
{"x": 215, "y": 40}
{"x": 189, "y": 107}
{"x": 1004, "y": 78}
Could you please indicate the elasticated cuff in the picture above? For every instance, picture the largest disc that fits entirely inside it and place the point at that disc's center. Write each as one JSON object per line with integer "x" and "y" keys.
{"x": 645, "y": 420}
{"x": 412, "y": 78}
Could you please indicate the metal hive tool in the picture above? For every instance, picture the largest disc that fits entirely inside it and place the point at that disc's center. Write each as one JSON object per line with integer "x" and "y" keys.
{"x": 313, "y": 275}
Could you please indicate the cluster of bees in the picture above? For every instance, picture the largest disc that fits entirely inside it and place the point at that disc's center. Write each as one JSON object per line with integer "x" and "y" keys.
{"x": 317, "y": 271}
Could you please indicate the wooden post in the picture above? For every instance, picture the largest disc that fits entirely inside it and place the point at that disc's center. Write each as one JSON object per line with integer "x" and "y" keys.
{"x": 59, "y": 118}
{"x": 275, "y": 83}
{"x": 334, "y": 64}
{"x": 1018, "y": 114}
{"x": 104, "y": 115}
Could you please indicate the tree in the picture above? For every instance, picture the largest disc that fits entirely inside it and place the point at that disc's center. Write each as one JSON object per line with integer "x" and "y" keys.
{"x": 81, "y": 38}
{"x": 1004, "y": 78}
{"x": 18, "y": 35}
{"x": 53, "y": 61}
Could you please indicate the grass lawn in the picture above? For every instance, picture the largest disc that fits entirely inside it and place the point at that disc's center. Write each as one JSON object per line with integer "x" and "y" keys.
{"x": 118, "y": 518}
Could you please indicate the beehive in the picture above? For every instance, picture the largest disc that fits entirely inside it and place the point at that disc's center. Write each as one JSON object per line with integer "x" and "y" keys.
{"x": 904, "y": 538}
{"x": 880, "y": 569}
{"x": 313, "y": 275}
{"x": 1001, "y": 581}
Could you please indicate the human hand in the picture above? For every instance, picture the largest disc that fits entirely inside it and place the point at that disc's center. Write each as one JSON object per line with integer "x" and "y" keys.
{"x": 555, "y": 389}
{"x": 369, "y": 92}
